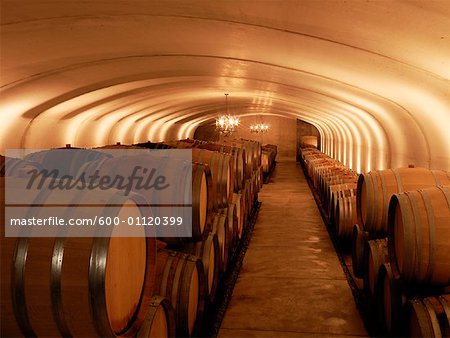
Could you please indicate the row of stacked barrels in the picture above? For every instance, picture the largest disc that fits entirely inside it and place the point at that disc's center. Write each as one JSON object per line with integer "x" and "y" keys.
{"x": 128, "y": 286}
{"x": 400, "y": 242}
{"x": 336, "y": 187}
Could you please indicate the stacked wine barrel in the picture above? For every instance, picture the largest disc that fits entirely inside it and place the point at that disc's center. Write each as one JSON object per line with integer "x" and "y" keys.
{"x": 336, "y": 187}
{"x": 73, "y": 286}
{"x": 400, "y": 242}
{"x": 408, "y": 210}
{"x": 196, "y": 265}
{"x": 152, "y": 288}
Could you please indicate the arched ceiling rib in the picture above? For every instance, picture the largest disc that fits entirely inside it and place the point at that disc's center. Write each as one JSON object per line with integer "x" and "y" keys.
{"x": 372, "y": 75}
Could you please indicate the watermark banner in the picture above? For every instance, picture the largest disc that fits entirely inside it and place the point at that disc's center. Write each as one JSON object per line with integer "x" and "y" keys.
{"x": 98, "y": 193}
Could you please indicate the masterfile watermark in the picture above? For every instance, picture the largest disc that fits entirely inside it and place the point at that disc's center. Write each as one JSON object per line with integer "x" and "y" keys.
{"x": 52, "y": 180}
{"x": 98, "y": 193}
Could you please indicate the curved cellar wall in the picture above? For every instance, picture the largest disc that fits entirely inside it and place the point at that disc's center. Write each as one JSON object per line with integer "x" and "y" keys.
{"x": 372, "y": 77}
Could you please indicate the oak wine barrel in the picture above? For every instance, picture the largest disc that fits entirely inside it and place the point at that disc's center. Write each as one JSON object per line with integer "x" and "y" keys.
{"x": 221, "y": 173}
{"x": 209, "y": 252}
{"x": 180, "y": 278}
{"x": 238, "y": 159}
{"x": 337, "y": 191}
{"x": 359, "y": 240}
{"x": 251, "y": 154}
{"x": 375, "y": 255}
{"x": 376, "y": 188}
{"x": 77, "y": 286}
{"x": 159, "y": 321}
{"x": 390, "y": 302}
{"x": 419, "y": 232}
{"x": 345, "y": 217}
{"x": 428, "y": 317}
{"x": 268, "y": 156}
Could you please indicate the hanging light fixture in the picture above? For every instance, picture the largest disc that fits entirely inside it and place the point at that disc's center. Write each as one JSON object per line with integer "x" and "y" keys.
{"x": 226, "y": 124}
{"x": 259, "y": 128}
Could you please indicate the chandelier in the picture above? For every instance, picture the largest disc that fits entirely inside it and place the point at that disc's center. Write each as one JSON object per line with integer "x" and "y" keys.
{"x": 226, "y": 124}
{"x": 259, "y": 128}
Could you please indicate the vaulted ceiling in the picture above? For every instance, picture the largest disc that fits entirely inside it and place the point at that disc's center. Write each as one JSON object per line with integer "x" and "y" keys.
{"x": 372, "y": 76}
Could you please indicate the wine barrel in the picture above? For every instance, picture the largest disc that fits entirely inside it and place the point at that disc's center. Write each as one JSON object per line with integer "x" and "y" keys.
{"x": 390, "y": 302}
{"x": 77, "y": 286}
{"x": 375, "y": 255}
{"x": 256, "y": 150}
{"x": 419, "y": 232}
{"x": 428, "y": 317}
{"x": 220, "y": 227}
{"x": 66, "y": 160}
{"x": 359, "y": 240}
{"x": 251, "y": 154}
{"x": 180, "y": 278}
{"x": 268, "y": 156}
{"x": 221, "y": 173}
{"x": 337, "y": 191}
{"x": 345, "y": 217}
{"x": 195, "y": 186}
{"x": 335, "y": 176}
{"x": 238, "y": 159}
{"x": 208, "y": 251}
{"x": 160, "y": 320}
{"x": 377, "y": 187}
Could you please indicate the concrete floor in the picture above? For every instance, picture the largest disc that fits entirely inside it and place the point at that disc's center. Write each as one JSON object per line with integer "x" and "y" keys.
{"x": 291, "y": 283}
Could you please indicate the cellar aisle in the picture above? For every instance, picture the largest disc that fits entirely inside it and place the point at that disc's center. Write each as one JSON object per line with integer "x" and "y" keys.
{"x": 291, "y": 283}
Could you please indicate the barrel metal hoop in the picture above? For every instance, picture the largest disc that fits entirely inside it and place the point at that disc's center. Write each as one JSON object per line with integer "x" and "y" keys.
{"x": 165, "y": 275}
{"x": 422, "y": 316}
{"x": 369, "y": 215}
{"x": 408, "y": 270}
{"x": 436, "y": 177}
{"x": 446, "y": 192}
{"x": 197, "y": 176}
{"x": 418, "y": 234}
{"x": 97, "y": 294}
{"x": 376, "y": 195}
{"x": 431, "y": 315}
{"x": 445, "y": 303}
{"x": 171, "y": 278}
{"x": 178, "y": 292}
{"x": 432, "y": 230}
{"x": 18, "y": 288}
{"x": 55, "y": 287}
{"x": 398, "y": 179}
{"x": 385, "y": 201}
